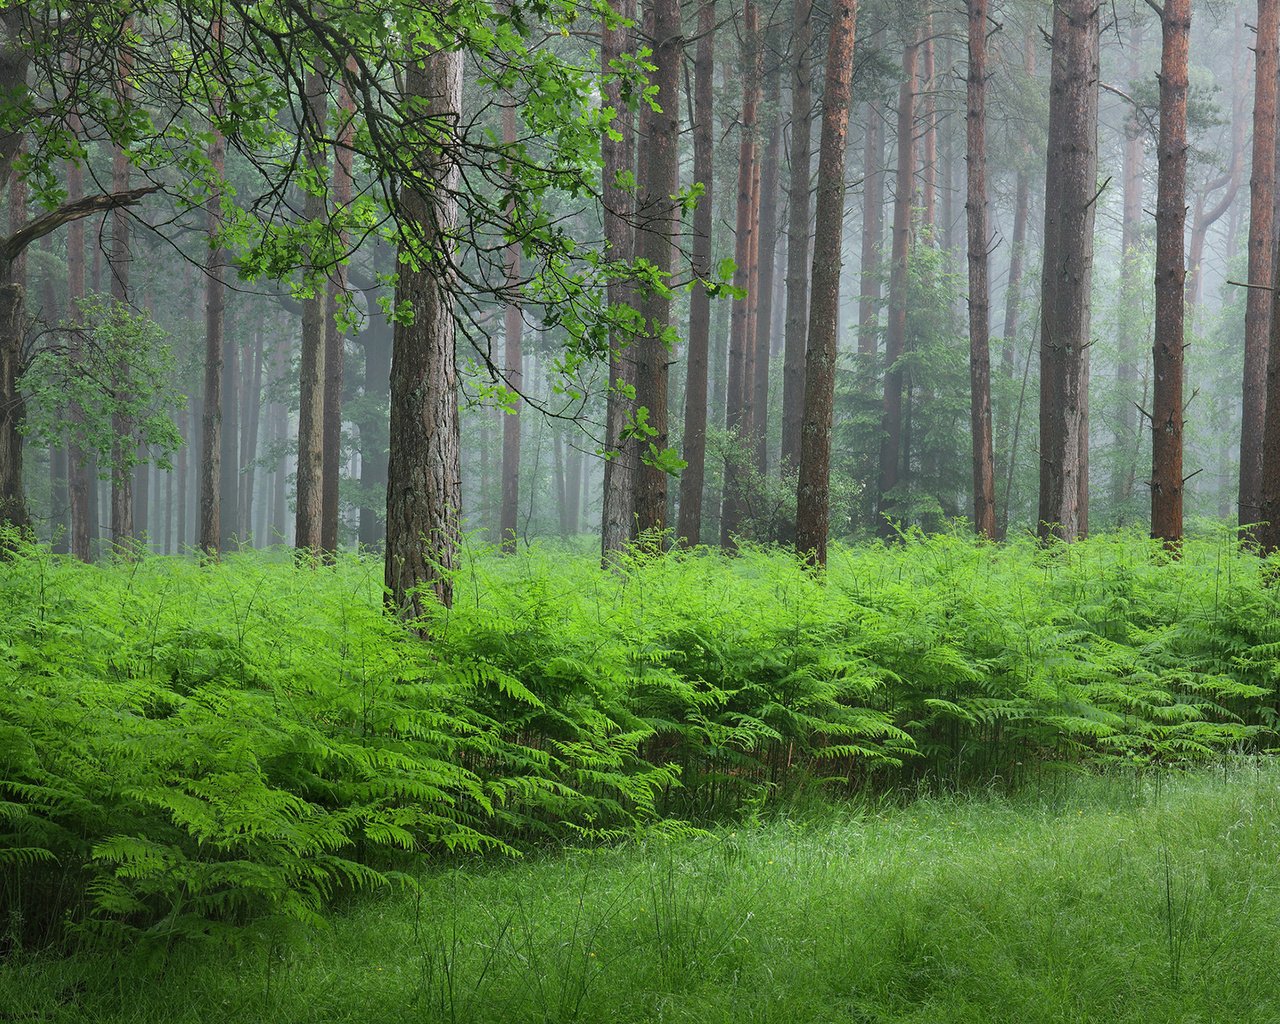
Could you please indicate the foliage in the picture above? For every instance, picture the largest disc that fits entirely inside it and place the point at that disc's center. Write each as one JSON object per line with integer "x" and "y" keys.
{"x": 188, "y": 747}
{"x": 117, "y": 370}
{"x": 1131, "y": 898}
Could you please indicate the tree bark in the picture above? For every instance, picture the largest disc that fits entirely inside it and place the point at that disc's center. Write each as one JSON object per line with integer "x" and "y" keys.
{"x": 660, "y": 218}
{"x": 122, "y": 447}
{"x": 899, "y": 280}
{"x": 1170, "y": 276}
{"x": 766, "y": 240}
{"x": 984, "y": 486}
{"x": 1071, "y": 190}
{"x": 813, "y": 490}
{"x": 617, "y": 511}
{"x": 929, "y": 162}
{"x": 793, "y": 372}
{"x": 692, "y": 480}
{"x": 872, "y": 232}
{"x": 1258, "y": 301}
{"x": 424, "y": 488}
{"x": 13, "y": 505}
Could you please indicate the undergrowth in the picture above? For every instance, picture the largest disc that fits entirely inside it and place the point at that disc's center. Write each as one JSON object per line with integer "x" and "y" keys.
{"x": 186, "y": 747}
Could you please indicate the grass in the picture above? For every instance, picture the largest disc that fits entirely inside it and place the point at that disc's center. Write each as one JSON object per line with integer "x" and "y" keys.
{"x": 1123, "y": 897}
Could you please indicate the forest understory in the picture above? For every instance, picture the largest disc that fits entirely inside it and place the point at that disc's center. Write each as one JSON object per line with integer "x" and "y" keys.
{"x": 242, "y": 780}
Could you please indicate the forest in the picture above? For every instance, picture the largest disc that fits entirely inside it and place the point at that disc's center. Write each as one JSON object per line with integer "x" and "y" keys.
{"x": 546, "y": 511}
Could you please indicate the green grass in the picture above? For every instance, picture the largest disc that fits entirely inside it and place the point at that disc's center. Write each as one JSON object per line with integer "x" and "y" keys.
{"x": 1119, "y": 898}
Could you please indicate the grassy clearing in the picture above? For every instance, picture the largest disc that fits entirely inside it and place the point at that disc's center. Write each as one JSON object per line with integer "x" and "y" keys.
{"x": 1113, "y": 899}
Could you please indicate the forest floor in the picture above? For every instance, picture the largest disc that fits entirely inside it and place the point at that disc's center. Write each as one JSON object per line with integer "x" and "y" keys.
{"x": 1114, "y": 898}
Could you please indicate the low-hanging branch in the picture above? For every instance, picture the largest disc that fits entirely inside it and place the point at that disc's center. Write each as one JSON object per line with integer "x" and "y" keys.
{"x": 76, "y": 209}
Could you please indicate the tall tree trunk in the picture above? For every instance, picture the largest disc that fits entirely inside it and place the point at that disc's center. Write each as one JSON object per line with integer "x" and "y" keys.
{"x": 617, "y": 512}
{"x": 80, "y": 484}
{"x": 309, "y": 515}
{"x": 929, "y": 182}
{"x": 660, "y": 217}
{"x": 215, "y": 297}
{"x": 793, "y": 372}
{"x": 1071, "y": 187}
{"x": 899, "y": 280}
{"x": 373, "y": 429}
{"x": 740, "y": 343}
{"x": 13, "y": 505}
{"x": 334, "y": 338}
{"x": 1170, "y": 277}
{"x": 813, "y": 490}
{"x": 766, "y": 240}
{"x": 122, "y": 446}
{"x": 512, "y": 361}
{"x": 872, "y": 231}
{"x": 984, "y": 486}
{"x": 250, "y": 416}
{"x": 693, "y": 478}
{"x": 230, "y": 526}
{"x": 424, "y": 488}
{"x": 1258, "y": 301}
{"x": 1128, "y": 347}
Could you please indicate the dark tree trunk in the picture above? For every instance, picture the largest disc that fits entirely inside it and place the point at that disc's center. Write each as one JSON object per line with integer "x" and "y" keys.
{"x": 513, "y": 363}
{"x": 1071, "y": 187}
{"x": 659, "y": 216}
{"x": 424, "y": 488}
{"x": 793, "y": 372}
{"x": 13, "y": 506}
{"x": 899, "y": 279}
{"x": 617, "y": 513}
{"x": 984, "y": 485}
{"x": 813, "y": 490}
{"x": 695, "y": 393}
{"x": 309, "y": 513}
{"x": 1258, "y": 301}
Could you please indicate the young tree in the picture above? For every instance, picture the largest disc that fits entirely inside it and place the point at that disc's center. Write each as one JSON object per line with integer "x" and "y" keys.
{"x": 1070, "y": 200}
{"x": 813, "y": 490}
{"x": 1171, "y": 222}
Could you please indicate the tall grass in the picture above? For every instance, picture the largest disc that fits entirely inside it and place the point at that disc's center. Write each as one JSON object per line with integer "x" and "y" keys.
{"x": 186, "y": 748}
{"x": 1129, "y": 898}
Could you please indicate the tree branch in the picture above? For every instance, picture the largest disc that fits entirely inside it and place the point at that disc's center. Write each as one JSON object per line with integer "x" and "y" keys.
{"x": 76, "y": 209}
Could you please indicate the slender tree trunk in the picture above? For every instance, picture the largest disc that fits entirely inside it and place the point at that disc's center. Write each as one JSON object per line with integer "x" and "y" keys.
{"x": 1258, "y": 301}
{"x": 813, "y": 490}
{"x": 660, "y": 217}
{"x": 309, "y": 515}
{"x": 766, "y": 240}
{"x": 984, "y": 486}
{"x": 1170, "y": 277}
{"x": 13, "y": 505}
{"x": 210, "y": 531}
{"x": 618, "y": 157}
{"x": 334, "y": 340}
{"x": 899, "y": 280}
{"x": 929, "y": 184}
{"x": 424, "y": 489}
{"x": 693, "y": 478}
{"x": 513, "y": 360}
{"x": 740, "y": 344}
{"x": 373, "y": 430}
{"x": 184, "y": 428}
{"x": 872, "y": 232}
{"x": 230, "y": 529}
{"x": 1071, "y": 187}
{"x": 793, "y": 372}
{"x": 1128, "y": 346}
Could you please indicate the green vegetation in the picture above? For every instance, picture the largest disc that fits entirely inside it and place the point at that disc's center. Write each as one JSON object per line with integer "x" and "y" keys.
{"x": 1135, "y": 897}
{"x": 190, "y": 748}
